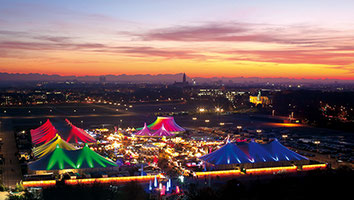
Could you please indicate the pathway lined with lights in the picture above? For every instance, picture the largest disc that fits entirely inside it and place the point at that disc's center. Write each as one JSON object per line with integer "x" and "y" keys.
{"x": 11, "y": 171}
{"x": 68, "y": 116}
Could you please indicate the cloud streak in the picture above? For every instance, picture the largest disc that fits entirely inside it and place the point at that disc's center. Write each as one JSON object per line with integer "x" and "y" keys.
{"x": 294, "y": 56}
{"x": 300, "y": 44}
{"x": 62, "y": 44}
{"x": 209, "y": 32}
{"x": 245, "y": 32}
{"x": 296, "y": 45}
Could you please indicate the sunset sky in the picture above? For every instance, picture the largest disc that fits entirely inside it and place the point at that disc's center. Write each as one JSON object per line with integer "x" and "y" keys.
{"x": 263, "y": 38}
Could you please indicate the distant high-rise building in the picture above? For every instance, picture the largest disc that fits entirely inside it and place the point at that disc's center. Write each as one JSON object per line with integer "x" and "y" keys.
{"x": 183, "y": 83}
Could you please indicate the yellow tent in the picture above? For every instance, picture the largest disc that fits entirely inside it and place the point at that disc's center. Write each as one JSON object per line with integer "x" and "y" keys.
{"x": 51, "y": 145}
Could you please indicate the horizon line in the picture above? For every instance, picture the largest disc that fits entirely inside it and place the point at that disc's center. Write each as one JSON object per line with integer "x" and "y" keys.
{"x": 181, "y": 73}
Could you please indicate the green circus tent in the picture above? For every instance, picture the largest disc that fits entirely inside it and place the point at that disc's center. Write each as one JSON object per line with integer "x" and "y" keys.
{"x": 60, "y": 159}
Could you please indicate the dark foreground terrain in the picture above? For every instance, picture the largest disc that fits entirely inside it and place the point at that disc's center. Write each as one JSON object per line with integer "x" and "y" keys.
{"x": 329, "y": 184}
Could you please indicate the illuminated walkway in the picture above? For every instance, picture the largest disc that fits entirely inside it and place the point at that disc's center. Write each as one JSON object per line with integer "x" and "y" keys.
{"x": 199, "y": 176}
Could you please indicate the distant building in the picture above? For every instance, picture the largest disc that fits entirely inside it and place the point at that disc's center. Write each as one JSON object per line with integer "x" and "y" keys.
{"x": 210, "y": 92}
{"x": 184, "y": 81}
{"x": 259, "y": 99}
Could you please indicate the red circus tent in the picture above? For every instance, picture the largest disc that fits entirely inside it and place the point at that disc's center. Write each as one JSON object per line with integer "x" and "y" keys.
{"x": 162, "y": 132}
{"x": 77, "y": 134}
{"x": 44, "y": 133}
{"x": 168, "y": 122}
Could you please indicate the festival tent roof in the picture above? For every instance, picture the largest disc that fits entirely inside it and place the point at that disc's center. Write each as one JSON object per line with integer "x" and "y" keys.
{"x": 77, "y": 159}
{"x": 144, "y": 132}
{"x": 281, "y": 153}
{"x": 162, "y": 132}
{"x": 256, "y": 152}
{"x": 88, "y": 158}
{"x": 77, "y": 134}
{"x": 50, "y": 146}
{"x": 227, "y": 154}
{"x": 67, "y": 131}
{"x": 251, "y": 153}
{"x": 56, "y": 160}
{"x": 44, "y": 133}
{"x": 168, "y": 122}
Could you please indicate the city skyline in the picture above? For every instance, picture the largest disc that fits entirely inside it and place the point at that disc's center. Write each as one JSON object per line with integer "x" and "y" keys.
{"x": 303, "y": 39}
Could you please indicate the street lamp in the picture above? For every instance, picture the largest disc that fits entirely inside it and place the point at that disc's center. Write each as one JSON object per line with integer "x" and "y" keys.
{"x": 317, "y": 142}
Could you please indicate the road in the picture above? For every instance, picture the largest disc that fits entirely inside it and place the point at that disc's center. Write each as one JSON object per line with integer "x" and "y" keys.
{"x": 67, "y": 116}
{"x": 11, "y": 171}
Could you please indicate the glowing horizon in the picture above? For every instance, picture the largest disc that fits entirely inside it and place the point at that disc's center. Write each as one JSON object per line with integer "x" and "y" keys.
{"x": 276, "y": 39}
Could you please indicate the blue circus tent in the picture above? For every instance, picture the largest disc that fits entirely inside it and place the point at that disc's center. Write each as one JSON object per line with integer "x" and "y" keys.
{"x": 256, "y": 152}
{"x": 281, "y": 153}
{"x": 227, "y": 154}
{"x": 251, "y": 152}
